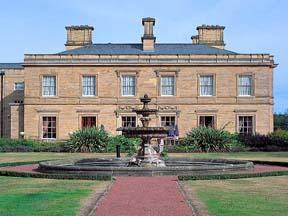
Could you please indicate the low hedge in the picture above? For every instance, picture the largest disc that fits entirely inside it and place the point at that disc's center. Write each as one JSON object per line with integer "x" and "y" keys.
{"x": 232, "y": 176}
{"x": 101, "y": 177}
{"x": 20, "y": 163}
{"x": 272, "y": 163}
{"x": 26, "y": 145}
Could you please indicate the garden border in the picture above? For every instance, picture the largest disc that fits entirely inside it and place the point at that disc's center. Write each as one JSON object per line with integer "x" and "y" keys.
{"x": 55, "y": 176}
{"x": 232, "y": 176}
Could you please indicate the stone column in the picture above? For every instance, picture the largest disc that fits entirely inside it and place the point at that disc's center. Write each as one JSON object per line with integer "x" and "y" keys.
{"x": 16, "y": 120}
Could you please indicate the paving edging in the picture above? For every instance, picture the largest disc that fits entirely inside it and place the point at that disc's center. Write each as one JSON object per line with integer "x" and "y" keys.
{"x": 187, "y": 199}
{"x": 100, "y": 198}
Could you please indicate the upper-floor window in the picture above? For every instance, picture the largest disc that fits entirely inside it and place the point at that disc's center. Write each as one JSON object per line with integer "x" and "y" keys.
{"x": 128, "y": 85}
{"x": 167, "y": 85}
{"x": 89, "y": 85}
{"x": 19, "y": 86}
{"x": 49, "y": 85}
{"x": 206, "y": 85}
{"x": 245, "y": 85}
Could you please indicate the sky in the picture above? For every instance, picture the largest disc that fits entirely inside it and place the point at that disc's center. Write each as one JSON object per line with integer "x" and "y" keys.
{"x": 252, "y": 26}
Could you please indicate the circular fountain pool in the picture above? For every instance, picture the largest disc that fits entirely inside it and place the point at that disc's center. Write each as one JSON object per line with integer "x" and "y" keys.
{"x": 118, "y": 167}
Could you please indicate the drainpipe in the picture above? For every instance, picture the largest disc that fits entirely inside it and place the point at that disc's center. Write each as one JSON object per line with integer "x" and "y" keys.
{"x": 2, "y": 74}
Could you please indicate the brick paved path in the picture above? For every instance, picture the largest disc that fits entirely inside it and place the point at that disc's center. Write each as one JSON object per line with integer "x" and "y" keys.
{"x": 144, "y": 196}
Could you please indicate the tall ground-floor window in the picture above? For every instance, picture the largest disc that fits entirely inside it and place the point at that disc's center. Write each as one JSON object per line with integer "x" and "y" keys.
{"x": 206, "y": 121}
{"x": 245, "y": 124}
{"x": 168, "y": 121}
{"x": 88, "y": 121}
{"x": 49, "y": 127}
{"x": 128, "y": 121}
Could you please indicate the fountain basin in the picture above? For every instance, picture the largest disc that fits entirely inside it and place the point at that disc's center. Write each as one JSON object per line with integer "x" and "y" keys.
{"x": 119, "y": 167}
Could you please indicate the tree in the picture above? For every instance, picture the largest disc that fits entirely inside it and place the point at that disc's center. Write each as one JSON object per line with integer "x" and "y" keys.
{"x": 281, "y": 121}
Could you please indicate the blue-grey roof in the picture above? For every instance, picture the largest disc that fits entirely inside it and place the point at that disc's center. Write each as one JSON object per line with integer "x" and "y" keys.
{"x": 11, "y": 66}
{"x": 135, "y": 49}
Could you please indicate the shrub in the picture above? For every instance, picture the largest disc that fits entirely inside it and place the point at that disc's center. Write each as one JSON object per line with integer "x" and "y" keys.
{"x": 164, "y": 153}
{"x": 182, "y": 148}
{"x": 281, "y": 134}
{"x": 25, "y": 145}
{"x": 260, "y": 142}
{"x": 128, "y": 145}
{"x": 88, "y": 140}
{"x": 205, "y": 139}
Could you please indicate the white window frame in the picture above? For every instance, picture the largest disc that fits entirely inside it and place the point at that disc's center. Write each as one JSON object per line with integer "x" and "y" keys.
{"x": 161, "y": 87}
{"x": 251, "y": 85}
{"x": 43, "y": 95}
{"x": 213, "y": 85}
{"x": 95, "y": 85}
{"x": 121, "y": 82}
{"x": 17, "y": 83}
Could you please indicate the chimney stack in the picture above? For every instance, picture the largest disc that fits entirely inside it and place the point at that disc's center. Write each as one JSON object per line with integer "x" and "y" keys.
{"x": 211, "y": 35}
{"x": 78, "y": 36}
{"x": 148, "y": 39}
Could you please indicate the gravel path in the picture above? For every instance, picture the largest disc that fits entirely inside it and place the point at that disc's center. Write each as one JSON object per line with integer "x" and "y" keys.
{"x": 144, "y": 196}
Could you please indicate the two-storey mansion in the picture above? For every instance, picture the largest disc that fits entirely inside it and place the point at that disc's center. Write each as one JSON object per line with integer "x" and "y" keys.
{"x": 49, "y": 96}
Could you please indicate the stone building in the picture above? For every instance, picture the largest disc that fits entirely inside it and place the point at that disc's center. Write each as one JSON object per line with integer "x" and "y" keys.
{"x": 191, "y": 84}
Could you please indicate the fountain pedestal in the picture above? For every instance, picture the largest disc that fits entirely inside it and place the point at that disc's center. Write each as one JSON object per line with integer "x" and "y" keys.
{"x": 146, "y": 156}
{"x": 149, "y": 157}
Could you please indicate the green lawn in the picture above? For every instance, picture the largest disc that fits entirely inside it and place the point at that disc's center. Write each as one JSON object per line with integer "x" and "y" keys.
{"x": 260, "y": 156}
{"x": 37, "y": 156}
{"x": 28, "y": 196}
{"x": 251, "y": 197}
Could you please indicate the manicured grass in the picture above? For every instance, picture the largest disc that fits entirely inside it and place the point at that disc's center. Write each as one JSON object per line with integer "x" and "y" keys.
{"x": 38, "y": 156}
{"x": 29, "y": 196}
{"x": 260, "y": 156}
{"x": 253, "y": 197}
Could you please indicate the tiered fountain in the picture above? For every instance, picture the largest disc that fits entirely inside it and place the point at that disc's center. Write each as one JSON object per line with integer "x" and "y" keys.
{"x": 146, "y": 156}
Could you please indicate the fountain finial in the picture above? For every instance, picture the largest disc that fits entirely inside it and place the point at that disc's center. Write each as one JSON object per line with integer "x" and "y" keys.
{"x": 145, "y": 100}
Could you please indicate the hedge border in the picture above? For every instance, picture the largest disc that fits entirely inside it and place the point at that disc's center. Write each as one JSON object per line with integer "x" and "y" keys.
{"x": 55, "y": 176}
{"x": 272, "y": 163}
{"x": 101, "y": 177}
{"x": 232, "y": 176}
{"x": 20, "y": 163}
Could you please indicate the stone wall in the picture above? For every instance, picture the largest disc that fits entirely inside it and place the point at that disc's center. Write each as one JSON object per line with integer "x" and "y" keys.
{"x": 108, "y": 105}
{"x": 11, "y": 96}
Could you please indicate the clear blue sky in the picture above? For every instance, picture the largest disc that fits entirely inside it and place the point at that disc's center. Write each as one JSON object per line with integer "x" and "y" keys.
{"x": 252, "y": 26}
